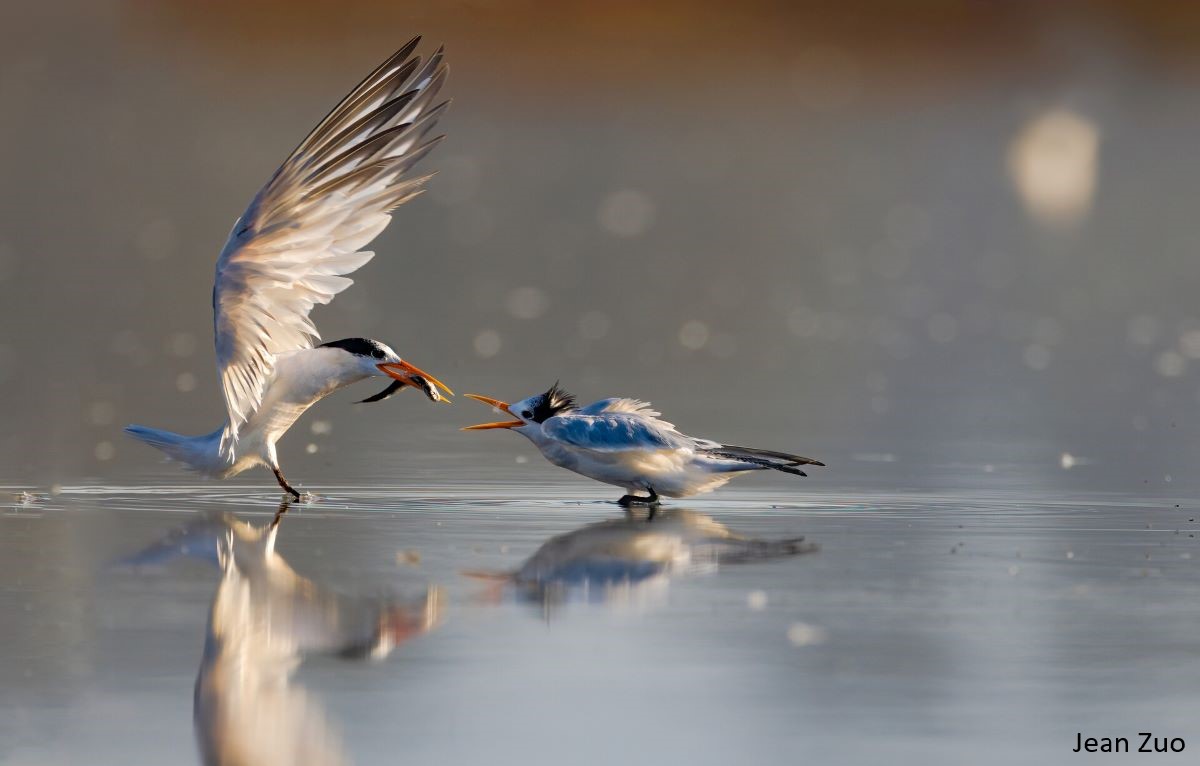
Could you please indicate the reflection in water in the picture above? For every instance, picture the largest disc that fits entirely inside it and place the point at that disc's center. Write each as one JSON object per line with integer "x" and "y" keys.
{"x": 631, "y": 558}
{"x": 264, "y": 619}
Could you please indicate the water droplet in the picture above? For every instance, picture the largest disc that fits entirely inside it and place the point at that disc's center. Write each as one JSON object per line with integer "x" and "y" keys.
{"x": 1037, "y": 357}
{"x": 693, "y": 335}
{"x": 1052, "y": 162}
{"x": 594, "y": 325}
{"x": 626, "y": 213}
{"x": 527, "y": 302}
{"x": 487, "y": 343}
{"x": 101, "y": 413}
{"x": 1170, "y": 364}
{"x": 804, "y": 634}
{"x": 182, "y": 344}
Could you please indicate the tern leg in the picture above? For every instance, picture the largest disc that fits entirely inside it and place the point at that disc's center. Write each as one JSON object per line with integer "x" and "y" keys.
{"x": 283, "y": 482}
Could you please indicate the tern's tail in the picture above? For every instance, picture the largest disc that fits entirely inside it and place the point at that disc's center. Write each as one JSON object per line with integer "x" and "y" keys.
{"x": 761, "y": 458}
{"x": 200, "y": 453}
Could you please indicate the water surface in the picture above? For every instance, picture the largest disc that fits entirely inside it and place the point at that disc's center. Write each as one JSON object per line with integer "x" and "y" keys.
{"x": 928, "y": 625}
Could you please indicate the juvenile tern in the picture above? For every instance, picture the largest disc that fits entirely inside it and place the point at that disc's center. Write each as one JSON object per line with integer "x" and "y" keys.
{"x": 291, "y": 249}
{"x": 624, "y": 442}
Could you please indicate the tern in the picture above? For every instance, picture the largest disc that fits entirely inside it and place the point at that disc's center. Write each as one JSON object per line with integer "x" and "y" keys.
{"x": 624, "y": 442}
{"x": 291, "y": 249}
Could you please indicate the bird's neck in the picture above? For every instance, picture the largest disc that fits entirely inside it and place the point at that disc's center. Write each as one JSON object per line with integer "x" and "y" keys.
{"x": 534, "y": 434}
{"x": 311, "y": 374}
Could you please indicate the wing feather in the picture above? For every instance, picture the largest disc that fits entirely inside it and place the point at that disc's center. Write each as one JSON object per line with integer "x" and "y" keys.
{"x": 618, "y": 404}
{"x": 616, "y": 432}
{"x": 301, "y": 235}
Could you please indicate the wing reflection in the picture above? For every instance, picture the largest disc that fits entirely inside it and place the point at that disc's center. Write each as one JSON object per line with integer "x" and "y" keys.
{"x": 629, "y": 558}
{"x": 264, "y": 619}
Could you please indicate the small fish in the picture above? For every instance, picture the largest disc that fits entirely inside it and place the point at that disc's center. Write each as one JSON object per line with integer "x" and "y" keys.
{"x": 429, "y": 389}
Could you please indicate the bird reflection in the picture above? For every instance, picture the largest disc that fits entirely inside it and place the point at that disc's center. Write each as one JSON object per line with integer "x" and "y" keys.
{"x": 614, "y": 560}
{"x": 264, "y": 619}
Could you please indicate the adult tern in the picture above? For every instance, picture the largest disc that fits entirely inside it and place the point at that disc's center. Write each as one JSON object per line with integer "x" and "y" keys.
{"x": 291, "y": 249}
{"x": 624, "y": 442}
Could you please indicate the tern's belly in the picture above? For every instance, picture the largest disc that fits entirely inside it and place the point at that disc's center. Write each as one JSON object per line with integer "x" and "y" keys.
{"x": 669, "y": 472}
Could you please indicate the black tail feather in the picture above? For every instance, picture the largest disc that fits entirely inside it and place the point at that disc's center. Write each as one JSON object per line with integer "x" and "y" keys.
{"x": 786, "y": 457}
{"x": 779, "y": 461}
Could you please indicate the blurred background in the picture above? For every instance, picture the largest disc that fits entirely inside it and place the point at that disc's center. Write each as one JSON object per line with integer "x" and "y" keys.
{"x": 930, "y": 242}
{"x": 949, "y": 248}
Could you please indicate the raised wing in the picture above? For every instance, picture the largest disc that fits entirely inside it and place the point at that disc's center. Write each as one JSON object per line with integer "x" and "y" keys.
{"x": 617, "y": 432}
{"x": 303, "y": 231}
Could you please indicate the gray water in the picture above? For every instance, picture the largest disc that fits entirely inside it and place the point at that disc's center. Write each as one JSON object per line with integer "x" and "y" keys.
{"x": 986, "y": 625}
{"x": 952, "y": 254}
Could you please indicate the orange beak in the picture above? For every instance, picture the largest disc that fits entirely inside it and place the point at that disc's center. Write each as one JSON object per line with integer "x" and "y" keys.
{"x": 411, "y": 375}
{"x": 499, "y": 405}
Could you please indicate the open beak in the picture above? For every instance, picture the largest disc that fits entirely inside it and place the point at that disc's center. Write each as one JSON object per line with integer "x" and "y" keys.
{"x": 499, "y": 405}
{"x": 411, "y": 375}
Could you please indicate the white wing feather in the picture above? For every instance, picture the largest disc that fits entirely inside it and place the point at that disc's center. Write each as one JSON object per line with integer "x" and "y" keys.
{"x": 303, "y": 231}
{"x": 618, "y": 404}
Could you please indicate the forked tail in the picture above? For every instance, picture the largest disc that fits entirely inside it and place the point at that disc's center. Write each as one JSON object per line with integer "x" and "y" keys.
{"x": 200, "y": 453}
{"x": 761, "y": 458}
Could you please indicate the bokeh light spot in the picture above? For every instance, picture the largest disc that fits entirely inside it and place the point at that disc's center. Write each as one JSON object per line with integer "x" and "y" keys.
{"x": 626, "y": 213}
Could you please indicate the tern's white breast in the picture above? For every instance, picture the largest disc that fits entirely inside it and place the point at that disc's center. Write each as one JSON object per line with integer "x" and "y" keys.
{"x": 302, "y": 378}
{"x": 671, "y": 472}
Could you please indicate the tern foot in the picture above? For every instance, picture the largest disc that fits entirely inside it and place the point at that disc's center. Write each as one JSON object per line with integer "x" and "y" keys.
{"x": 628, "y": 500}
{"x": 283, "y": 482}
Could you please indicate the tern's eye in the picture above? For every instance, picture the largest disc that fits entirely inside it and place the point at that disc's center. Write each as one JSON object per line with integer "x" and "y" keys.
{"x": 377, "y": 353}
{"x": 526, "y": 414}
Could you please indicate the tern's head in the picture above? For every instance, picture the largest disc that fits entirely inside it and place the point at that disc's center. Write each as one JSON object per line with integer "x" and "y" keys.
{"x": 529, "y": 413}
{"x": 370, "y": 358}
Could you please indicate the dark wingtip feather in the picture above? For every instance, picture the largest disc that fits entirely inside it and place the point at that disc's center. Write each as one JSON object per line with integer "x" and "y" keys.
{"x": 786, "y": 457}
{"x": 778, "y": 461}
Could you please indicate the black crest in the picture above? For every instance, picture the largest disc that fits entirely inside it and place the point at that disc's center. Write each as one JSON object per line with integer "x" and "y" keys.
{"x": 552, "y": 403}
{"x": 358, "y": 347}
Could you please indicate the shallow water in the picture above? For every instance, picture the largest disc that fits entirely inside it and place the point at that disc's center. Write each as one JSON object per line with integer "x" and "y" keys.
{"x": 782, "y": 234}
{"x": 989, "y": 626}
